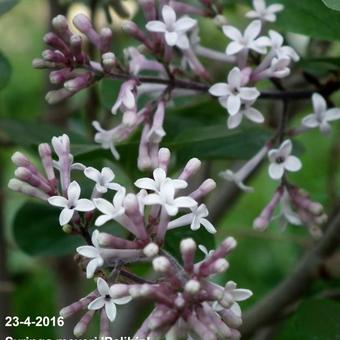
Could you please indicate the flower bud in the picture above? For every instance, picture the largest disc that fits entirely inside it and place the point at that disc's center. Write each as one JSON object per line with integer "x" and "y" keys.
{"x": 161, "y": 264}
{"x": 192, "y": 287}
{"x": 151, "y": 250}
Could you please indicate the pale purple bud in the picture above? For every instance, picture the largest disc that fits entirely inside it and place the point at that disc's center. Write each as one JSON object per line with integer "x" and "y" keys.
{"x": 190, "y": 169}
{"x": 195, "y": 65}
{"x": 84, "y": 25}
{"x": 53, "y": 56}
{"x": 76, "y": 48}
{"x": 45, "y": 153}
{"x": 119, "y": 290}
{"x": 77, "y": 306}
{"x": 192, "y": 287}
{"x": 83, "y": 324}
{"x": 161, "y": 264}
{"x": 230, "y": 318}
{"x": 105, "y": 39}
{"x": 54, "y": 41}
{"x": 149, "y": 9}
{"x": 188, "y": 250}
{"x": 183, "y": 8}
{"x": 108, "y": 240}
{"x": 80, "y": 82}
{"x": 151, "y": 250}
{"x": 54, "y": 97}
{"x": 27, "y": 176}
{"x": 129, "y": 118}
{"x": 108, "y": 61}
{"x": 261, "y": 223}
{"x": 219, "y": 266}
{"x": 42, "y": 64}
{"x": 132, "y": 29}
{"x": 27, "y": 189}
{"x": 144, "y": 161}
{"x": 204, "y": 189}
{"x": 60, "y": 76}
{"x": 19, "y": 159}
{"x": 60, "y": 24}
{"x": 164, "y": 156}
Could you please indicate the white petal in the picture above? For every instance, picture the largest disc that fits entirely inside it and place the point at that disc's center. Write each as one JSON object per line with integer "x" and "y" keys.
{"x": 96, "y": 304}
{"x": 275, "y": 171}
{"x": 292, "y": 163}
{"x": 169, "y": 15}
{"x": 156, "y": 26}
{"x": 58, "y": 201}
{"x": 87, "y": 251}
{"x": 310, "y": 121}
{"x": 234, "y": 77}
{"x": 171, "y": 38}
{"x": 332, "y": 114}
{"x": 184, "y": 220}
{"x": 325, "y": 128}
{"x": 110, "y": 310}
{"x": 159, "y": 175}
{"x": 103, "y": 287}
{"x": 184, "y": 24}
{"x": 107, "y": 174}
{"x": 171, "y": 210}
{"x": 276, "y": 37}
{"x": 84, "y": 205}
{"x": 253, "y": 30}
{"x": 119, "y": 198}
{"x": 319, "y": 103}
{"x": 73, "y": 191}
{"x": 249, "y": 93}
{"x": 232, "y": 33}
{"x": 235, "y": 120}
{"x": 254, "y": 115}
{"x": 286, "y": 148}
{"x": 203, "y": 249}
{"x": 102, "y": 219}
{"x": 185, "y": 202}
{"x": 273, "y": 154}
{"x": 219, "y": 89}
{"x": 179, "y": 183}
{"x": 104, "y": 206}
{"x": 236, "y": 309}
{"x": 259, "y": 5}
{"x": 129, "y": 100}
{"x": 65, "y": 216}
{"x": 233, "y": 104}
{"x": 91, "y": 268}
{"x": 183, "y": 42}
{"x": 152, "y": 199}
{"x": 234, "y": 47}
{"x": 275, "y": 8}
{"x": 92, "y": 173}
{"x": 123, "y": 300}
{"x": 146, "y": 183}
{"x": 241, "y": 294}
{"x": 208, "y": 226}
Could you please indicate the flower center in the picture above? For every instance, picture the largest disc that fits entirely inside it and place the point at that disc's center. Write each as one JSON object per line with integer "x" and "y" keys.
{"x": 280, "y": 160}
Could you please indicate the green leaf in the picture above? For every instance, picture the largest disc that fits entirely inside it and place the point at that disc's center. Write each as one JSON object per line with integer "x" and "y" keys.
{"x": 7, "y": 5}
{"x": 332, "y": 4}
{"x": 5, "y": 69}
{"x": 37, "y": 231}
{"x": 217, "y": 142}
{"x": 314, "y": 320}
{"x": 320, "y": 67}
{"x": 309, "y": 17}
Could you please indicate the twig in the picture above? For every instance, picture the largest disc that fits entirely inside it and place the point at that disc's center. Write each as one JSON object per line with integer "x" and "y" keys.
{"x": 295, "y": 285}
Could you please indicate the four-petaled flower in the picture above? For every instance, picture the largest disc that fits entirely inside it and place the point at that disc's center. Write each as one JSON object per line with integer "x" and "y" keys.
{"x": 246, "y": 110}
{"x": 232, "y": 94}
{"x": 276, "y": 42}
{"x": 195, "y": 219}
{"x": 71, "y": 204}
{"x": 173, "y": 29}
{"x": 264, "y": 13}
{"x": 247, "y": 41}
{"x": 105, "y": 300}
{"x": 126, "y": 100}
{"x": 321, "y": 116}
{"x": 160, "y": 177}
{"x": 93, "y": 253}
{"x": 102, "y": 178}
{"x": 166, "y": 198}
{"x": 281, "y": 160}
{"x": 110, "y": 211}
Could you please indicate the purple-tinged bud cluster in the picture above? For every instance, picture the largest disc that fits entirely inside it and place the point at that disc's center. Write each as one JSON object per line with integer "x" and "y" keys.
{"x": 71, "y": 65}
{"x": 296, "y": 208}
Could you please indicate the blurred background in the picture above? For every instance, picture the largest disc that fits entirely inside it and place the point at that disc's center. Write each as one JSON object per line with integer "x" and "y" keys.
{"x": 37, "y": 280}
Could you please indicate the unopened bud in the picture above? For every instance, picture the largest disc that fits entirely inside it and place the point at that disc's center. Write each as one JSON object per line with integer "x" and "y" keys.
{"x": 161, "y": 264}
{"x": 260, "y": 223}
{"x": 151, "y": 250}
{"x": 220, "y": 266}
{"x": 192, "y": 286}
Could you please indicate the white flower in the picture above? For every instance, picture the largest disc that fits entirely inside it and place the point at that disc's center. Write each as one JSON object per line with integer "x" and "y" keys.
{"x": 321, "y": 116}
{"x": 278, "y": 68}
{"x": 232, "y": 94}
{"x": 105, "y": 300}
{"x": 166, "y": 198}
{"x": 160, "y": 177}
{"x": 110, "y": 211}
{"x": 195, "y": 219}
{"x": 276, "y": 41}
{"x": 281, "y": 160}
{"x": 172, "y": 28}
{"x": 93, "y": 253}
{"x": 71, "y": 204}
{"x": 106, "y": 138}
{"x": 246, "y": 110}
{"x": 248, "y": 41}
{"x": 102, "y": 178}
{"x": 234, "y": 295}
{"x": 126, "y": 100}
{"x": 74, "y": 166}
{"x": 204, "y": 250}
{"x": 264, "y": 13}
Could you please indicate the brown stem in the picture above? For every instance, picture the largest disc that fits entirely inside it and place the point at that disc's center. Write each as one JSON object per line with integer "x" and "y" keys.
{"x": 295, "y": 285}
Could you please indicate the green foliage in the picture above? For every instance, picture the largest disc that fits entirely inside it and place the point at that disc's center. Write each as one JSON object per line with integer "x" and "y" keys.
{"x": 321, "y": 67}
{"x": 7, "y": 5}
{"x": 314, "y": 320}
{"x": 332, "y": 4}
{"x": 5, "y": 70}
{"x": 37, "y": 232}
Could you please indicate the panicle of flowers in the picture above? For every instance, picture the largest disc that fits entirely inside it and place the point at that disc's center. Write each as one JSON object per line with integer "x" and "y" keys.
{"x": 187, "y": 303}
